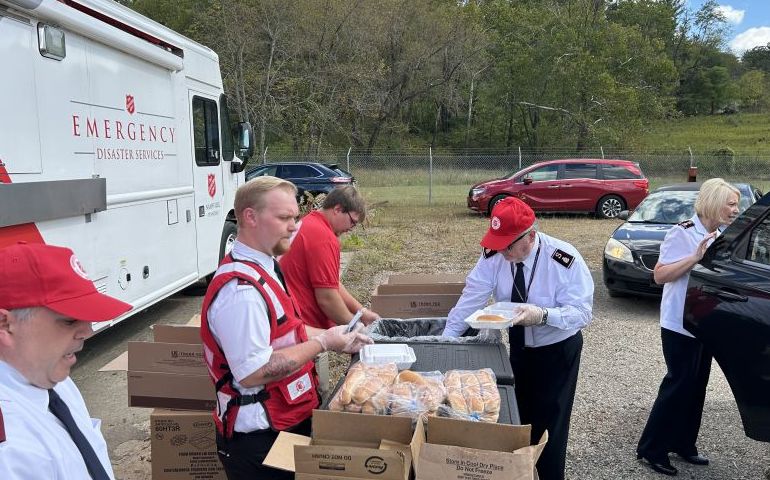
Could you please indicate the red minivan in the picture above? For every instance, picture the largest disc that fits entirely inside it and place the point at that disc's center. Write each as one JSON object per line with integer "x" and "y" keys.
{"x": 605, "y": 187}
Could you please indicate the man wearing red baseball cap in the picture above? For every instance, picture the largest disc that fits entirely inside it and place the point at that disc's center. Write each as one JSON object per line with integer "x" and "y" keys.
{"x": 552, "y": 284}
{"x": 47, "y": 304}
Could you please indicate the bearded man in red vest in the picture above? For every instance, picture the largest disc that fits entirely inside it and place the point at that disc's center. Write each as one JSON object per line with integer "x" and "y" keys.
{"x": 258, "y": 351}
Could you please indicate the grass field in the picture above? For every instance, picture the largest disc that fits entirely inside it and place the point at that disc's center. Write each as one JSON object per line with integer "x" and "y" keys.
{"x": 744, "y": 133}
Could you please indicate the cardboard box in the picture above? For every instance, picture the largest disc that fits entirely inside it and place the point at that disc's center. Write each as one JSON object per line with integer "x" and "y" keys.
{"x": 348, "y": 445}
{"x": 428, "y": 288}
{"x": 463, "y": 450}
{"x": 184, "y": 446}
{"x": 177, "y": 334}
{"x": 170, "y": 372}
{"x": 170, "y": 390}
{"x": 426, "y": 278}
{"x": 415, "y": 304}
{"x": 417, "y": 295}
{"x": 181, "y": 358}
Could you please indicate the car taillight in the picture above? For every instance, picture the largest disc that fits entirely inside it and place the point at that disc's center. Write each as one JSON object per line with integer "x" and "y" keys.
{"x": 340, "y": 180}
{"x": 644, "y": 184}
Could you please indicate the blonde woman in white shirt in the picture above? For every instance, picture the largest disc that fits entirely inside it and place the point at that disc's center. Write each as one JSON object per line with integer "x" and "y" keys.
{"x": 675, "y": 417}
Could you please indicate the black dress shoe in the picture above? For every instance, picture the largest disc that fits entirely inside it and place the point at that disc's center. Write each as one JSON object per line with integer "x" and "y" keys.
{"x": 694, "y": 459}
{"x": 663, "y": 467}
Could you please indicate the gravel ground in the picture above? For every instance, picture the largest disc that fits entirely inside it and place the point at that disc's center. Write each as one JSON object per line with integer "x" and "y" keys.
{"x": 621, "y": 369}
{"x": 622, "y": 362}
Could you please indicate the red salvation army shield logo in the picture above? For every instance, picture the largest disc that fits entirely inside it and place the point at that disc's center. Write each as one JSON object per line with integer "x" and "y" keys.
{"x": 212, "y": 180}
{"x": 130, "y": 108}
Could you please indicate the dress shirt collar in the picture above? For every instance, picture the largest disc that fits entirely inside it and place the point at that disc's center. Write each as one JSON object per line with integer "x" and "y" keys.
{"x": 15, "y": 382}
{"x": 700, "y": 228}
{"x": 241, "y": 251}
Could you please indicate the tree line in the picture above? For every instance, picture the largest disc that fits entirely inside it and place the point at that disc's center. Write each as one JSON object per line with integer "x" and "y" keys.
{"x": 316, "y": 74}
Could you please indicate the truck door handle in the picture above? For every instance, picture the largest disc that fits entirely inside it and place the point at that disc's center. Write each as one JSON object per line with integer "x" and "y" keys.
{"x": 724, "y": 294}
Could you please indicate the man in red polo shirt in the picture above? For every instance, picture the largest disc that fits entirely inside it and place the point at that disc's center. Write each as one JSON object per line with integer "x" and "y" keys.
{"x": 312, "y": 265}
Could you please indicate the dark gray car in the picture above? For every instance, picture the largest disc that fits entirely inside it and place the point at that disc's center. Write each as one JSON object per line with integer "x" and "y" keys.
{"x": 633, "y": 248}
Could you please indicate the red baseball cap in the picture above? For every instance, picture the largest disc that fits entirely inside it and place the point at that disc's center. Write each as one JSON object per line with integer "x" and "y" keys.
{"x": 38, "y": 275}
{"x": 510, "y": 218}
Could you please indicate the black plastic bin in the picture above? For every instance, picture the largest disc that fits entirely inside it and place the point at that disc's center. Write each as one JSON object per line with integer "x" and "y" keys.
{"x": 509, "y": 409}
{"x": 424, "y": 330}
{"x": 464, "y": 356}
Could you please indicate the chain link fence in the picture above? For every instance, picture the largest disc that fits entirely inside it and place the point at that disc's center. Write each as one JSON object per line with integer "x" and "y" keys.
{"x": 426, "y": 176}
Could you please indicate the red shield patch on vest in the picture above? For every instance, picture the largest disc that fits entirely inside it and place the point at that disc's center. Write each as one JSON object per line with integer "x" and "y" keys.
{"x": 130, "y": 108}
{"x": 212, "y": 180}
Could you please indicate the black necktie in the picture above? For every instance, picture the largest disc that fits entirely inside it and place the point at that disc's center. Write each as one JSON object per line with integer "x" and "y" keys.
{"x": 280, "y": 275}
{"x": 518, "y": 294}
{"x": 57, "y": 406}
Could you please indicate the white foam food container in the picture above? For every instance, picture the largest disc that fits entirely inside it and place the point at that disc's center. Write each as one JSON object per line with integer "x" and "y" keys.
{"x": 504, "y": 309}
{"x": 399, "y": 353}
{"x": 473, "y": 321}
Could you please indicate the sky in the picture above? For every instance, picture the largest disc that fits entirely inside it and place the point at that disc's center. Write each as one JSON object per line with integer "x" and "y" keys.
{"x": 749, "y": 21}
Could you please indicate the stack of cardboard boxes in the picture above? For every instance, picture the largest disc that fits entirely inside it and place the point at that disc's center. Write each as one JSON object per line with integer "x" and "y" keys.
{"x": 418, "y": 295}
{"x": 169, "y": 374}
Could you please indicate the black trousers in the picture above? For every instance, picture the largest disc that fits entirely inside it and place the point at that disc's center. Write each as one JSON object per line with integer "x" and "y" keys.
{"x": 676, "y": 415}
{"x": 546, "y": 378}
{"x": 242, "y": 455}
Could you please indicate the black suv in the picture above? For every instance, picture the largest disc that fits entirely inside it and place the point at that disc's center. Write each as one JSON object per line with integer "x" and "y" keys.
{"x": 728, "y": 309}
{"x": 314, "y": 178}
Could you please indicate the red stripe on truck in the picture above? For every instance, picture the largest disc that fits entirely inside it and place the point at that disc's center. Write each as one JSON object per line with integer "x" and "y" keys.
{"x": 26, "y": 232}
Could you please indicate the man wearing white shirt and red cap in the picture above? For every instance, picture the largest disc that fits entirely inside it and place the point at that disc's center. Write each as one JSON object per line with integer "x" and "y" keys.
{"x": 47, "y": 304}
{"x": 552, "y": 282}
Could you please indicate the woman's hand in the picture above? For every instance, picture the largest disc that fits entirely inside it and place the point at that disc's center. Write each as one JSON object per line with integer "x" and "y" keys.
{"x": 703, "y": 246}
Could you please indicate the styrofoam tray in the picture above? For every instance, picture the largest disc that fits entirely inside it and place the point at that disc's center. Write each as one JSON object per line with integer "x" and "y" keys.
{"x": 399, "y": 353}
{"x": 473, "y": 322}
{"x": 504, "y": 309}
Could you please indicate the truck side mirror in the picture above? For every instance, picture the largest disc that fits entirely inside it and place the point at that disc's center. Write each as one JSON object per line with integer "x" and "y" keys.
{"x": 245, "y": 136}
{"x": 527, "y": 180}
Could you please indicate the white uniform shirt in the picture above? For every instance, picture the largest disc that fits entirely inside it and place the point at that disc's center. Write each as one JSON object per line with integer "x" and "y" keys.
{"x": 239, "y": 321}
{"x": 680, "y": 242}
{"x": 37, "y": 445}
{"x": 566, "y": 291}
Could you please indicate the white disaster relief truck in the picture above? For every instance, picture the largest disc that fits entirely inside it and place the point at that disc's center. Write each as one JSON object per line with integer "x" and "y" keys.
{"x": 115, "y": 141}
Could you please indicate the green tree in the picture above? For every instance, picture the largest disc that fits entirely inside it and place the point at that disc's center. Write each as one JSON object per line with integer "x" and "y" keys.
{"x": 753, "y": 90}
{"x": 758, "y": 58}
{"x": 566, "y": 74}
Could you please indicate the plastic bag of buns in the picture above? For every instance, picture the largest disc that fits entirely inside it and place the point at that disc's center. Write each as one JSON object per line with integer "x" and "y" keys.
{"x": 361, "y": 384}
{"x": 412, "y": 394}
{"x": 472, "y": 395}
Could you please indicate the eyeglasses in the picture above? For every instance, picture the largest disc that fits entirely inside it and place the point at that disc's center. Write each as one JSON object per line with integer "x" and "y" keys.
{"x": 352, "y": 221}
{"x": 524, "y": 234}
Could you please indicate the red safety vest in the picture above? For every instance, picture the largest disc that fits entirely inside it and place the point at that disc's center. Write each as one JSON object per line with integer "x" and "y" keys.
{"x": 288, "y": 401}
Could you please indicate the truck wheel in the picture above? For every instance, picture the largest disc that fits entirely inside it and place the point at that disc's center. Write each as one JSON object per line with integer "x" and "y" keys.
{"x": 228, "y": 238}
{"x": 610, "y": 206}
{"x": 493, "y": 202}
{"x": 226, "y": 244}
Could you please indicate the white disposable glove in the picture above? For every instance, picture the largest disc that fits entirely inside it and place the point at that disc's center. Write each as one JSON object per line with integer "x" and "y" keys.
{"x": 336, "y": 340}
{"x": 529, "y": 315}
